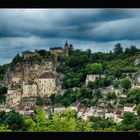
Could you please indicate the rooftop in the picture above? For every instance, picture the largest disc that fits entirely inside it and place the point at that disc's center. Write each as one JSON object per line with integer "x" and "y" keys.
{"x": 58, "y": 105}
{"x": 47, "y": 75}
{"x": 56, "y": 48}
{"x": 129, "y": 105}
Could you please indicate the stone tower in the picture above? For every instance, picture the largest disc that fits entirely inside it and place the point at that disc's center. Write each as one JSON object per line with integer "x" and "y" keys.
{"x": 66, "y": 49}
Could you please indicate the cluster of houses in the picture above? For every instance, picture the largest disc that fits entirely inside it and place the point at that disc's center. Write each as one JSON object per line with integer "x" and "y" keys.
{"x": 45, "y": 85}
{"x": 82, "y": 111}
{"x": 85, "y": 113}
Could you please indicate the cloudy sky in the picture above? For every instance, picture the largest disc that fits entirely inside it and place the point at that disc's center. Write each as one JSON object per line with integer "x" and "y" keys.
{"x": 97, "y": 29}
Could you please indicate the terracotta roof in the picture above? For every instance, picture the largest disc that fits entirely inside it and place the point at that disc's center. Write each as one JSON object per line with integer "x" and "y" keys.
{"x": 138, "y": 84}
{"x": 47, "y": 75}
{"x": 118, "y": 112}
{"x": 20, "y": 106}
{"x": 129, "y": 105}
{"x": 56, "y": 48}
{"x": 83, "y": 109}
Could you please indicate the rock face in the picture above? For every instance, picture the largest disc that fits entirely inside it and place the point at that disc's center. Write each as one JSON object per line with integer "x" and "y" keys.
{"x": 25, "y": 71}
{"x": 137, "y": 61}
{"x": 137, "y": 77}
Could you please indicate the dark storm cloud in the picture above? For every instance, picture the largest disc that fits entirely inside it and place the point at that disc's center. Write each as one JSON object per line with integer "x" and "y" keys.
{"x": 70, "y": 23}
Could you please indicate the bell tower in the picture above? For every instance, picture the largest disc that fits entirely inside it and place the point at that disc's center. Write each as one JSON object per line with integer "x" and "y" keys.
{"x": 66, "y": 49}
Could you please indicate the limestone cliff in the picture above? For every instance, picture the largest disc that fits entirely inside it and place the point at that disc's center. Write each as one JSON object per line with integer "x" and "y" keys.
{"x": 26, "y": 70}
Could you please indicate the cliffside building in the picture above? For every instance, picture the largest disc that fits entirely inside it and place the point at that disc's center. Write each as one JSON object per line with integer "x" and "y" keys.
{"x": 46, "y": 84}
{"x": 92, "y": 77}
{"x": 29, "y": 89}
{"x": 28, "y": 54}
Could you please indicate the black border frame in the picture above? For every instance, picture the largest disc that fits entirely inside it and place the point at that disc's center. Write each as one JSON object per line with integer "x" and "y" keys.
{"x": 69, "y": 3}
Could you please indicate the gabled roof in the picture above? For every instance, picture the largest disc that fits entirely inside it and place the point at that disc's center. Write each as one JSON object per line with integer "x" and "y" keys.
{"x": 56, "y": 48}
{"x": 47, "y": 75}
{"x": 129, "y": 105}
{"x": 58, "y": 105}
{"x": 75, "y": 104}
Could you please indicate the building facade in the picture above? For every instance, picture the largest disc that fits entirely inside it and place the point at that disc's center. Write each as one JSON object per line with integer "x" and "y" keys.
{"x": 29, "y": 89}
{"x": 46, "y": 84}
{"x": 92, "y": 77}
{"x": 28, "y": 54}
{"x": 60, "y": 51}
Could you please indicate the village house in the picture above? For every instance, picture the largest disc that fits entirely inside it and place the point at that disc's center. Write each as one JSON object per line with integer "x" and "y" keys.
{"x": 74, "y": 106}
{"x": 92, "y": 77}
{"x": 57, "y": 50}
{"x": 110, "y": 115}
{"x": 100, "y": 112}
{"x": 116, "y": 115}
{"x": 58, "y": 108}
{"x": 129, "y": 107}
{"x": 13, "y": 97}
{"x": 29, "y": 54}
{"x": 46, "y": 84}
{"x": 29, "y": 89}
{"x": 83, "y": 113}
{"x": 136, "y": 85}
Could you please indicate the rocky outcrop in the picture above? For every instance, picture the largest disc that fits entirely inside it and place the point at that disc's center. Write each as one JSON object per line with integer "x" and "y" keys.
{"x": 25, "y": 71}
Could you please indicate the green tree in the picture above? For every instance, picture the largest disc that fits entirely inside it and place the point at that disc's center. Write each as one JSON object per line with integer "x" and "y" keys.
{"x": 118, "y": 49}
{"x": 126, "y": 83}
{"x": 116, "y": 84}
{"x": 111, "y": 95}
{"x": 133, "y": 96}
{"x": 4, "y": 128}
{"x": 39, "y": 101}
{"x": 42, "y": 52}
{"x": 14, "y": 120}
{"x": 95, "y": 68}
{"x": 138, "y": 109}
{"x": 128, "y": 122}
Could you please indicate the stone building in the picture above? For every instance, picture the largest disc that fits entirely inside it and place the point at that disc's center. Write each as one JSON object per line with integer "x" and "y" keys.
{"x": 46, "y": 84}
{"x": 59, "y": 50}
{"x": 92, "y": 77}
{"x": 13, "y": 97}
{"x": 28, "y": 54}
{"x": 29, "y": 89}
{"x": 128, "y": 107}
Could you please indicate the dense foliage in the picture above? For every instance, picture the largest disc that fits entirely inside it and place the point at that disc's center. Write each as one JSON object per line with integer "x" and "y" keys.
{"x": 65, "y": 121}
